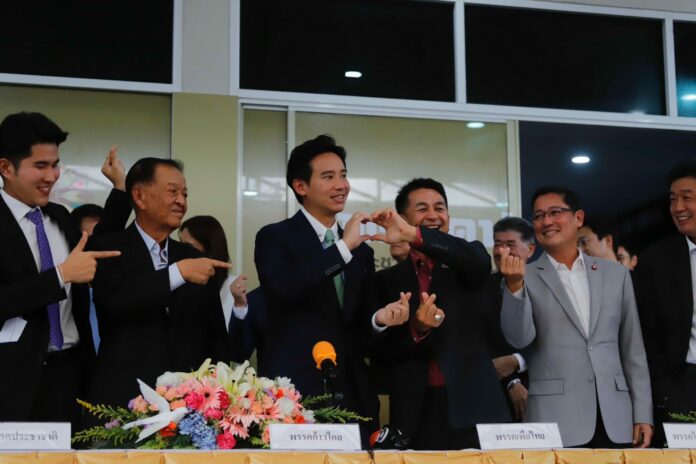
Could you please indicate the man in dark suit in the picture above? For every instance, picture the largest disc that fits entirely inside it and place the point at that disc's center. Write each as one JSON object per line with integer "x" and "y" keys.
{"x": 317, "y": 281}
{"x": 156, "y": 308}
{"x": 517, "y": 235}
{"x": 444, "y": 382}
{"x": 665, "y": 297}
{"x": 43, "y": 285}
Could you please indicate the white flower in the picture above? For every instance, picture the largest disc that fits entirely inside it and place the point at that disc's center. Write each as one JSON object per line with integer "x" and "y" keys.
{"x": 239, "y": 371}
{"x": 308, "y": 416}
{"x": 171, "y": 379}
{"x": 286, "y": 406}
{"x": 284, "y": 382}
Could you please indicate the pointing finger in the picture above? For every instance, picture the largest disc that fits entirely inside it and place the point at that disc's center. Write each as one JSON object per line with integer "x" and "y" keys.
{"x": 104, "y": 254}
{"x": 219, "y": 264}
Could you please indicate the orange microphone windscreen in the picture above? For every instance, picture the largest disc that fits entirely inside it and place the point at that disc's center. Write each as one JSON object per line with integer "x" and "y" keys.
{"x": 323, "y": 351}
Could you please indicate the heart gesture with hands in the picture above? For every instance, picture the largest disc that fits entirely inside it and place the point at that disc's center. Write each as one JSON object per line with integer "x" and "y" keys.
{"x": 397, "y": 229}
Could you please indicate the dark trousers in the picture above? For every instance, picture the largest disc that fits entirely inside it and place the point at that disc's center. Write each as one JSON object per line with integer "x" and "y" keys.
{"x": 60, "y": 386}
{"x": 434, "y": 432}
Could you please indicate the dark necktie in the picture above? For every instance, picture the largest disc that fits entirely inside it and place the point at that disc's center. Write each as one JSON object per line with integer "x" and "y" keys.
{"x": 329, "y": 239}
{"x": 55, "y": 332}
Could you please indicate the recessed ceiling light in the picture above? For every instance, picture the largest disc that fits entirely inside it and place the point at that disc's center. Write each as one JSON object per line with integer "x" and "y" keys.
{"x": 580, "y": 159}
{"x": 475, "y": 125}
{"x": 250, "y": 193}
{"x": 353, "y": 74}
{"x": 689, "y": 97}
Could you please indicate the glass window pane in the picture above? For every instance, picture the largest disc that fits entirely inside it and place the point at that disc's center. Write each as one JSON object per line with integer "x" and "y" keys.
{"x": 127, "y": 40}
{"x": 264, "y": 193}
{"x": 402, "y": 49}
{"x": 551, "y": 59}
{"x": 684, "y": 46}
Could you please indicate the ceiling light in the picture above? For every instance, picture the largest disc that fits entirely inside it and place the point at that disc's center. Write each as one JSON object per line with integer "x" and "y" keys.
{"x": 353, "y": 74}
{"x": 580, "y": 159}
{"x": 250, "y": 193}
{"x": 475, "y": 125}
{"x": 689, "y": 97}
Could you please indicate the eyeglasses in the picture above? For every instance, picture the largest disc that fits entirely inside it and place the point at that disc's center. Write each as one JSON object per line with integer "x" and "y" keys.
{"x": 553, "y": 213}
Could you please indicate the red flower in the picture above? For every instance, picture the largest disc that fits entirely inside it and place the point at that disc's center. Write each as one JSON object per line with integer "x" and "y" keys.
{"x": 224, "y": 400}
{"x": 168, "y": 431}
{"x": 194, "y": 400}
{"x": 280, "y": 393}
{"x": 226, "y": 441}
{"x": 211, "y": 413}
{"x": 299, "y": 419}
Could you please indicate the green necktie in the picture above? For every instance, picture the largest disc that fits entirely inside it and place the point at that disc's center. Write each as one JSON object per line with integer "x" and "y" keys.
{"x": 329, "y": 240}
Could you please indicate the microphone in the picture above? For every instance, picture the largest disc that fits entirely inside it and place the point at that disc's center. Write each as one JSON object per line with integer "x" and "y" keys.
{"x": 324, "y": 355}
{"x": 389, "y": 438}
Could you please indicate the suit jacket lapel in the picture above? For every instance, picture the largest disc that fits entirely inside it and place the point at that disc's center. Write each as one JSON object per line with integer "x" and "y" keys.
{"x": 307, "y": 244}
{"x": 596, "y": 285}
{"x": 550, "y": 277}
{"x": 15, "y": 238}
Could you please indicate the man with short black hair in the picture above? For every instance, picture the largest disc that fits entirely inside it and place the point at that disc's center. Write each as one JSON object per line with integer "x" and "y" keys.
{"x": 517, "y": 235}
{"x": 666, "y": 296}
{"x": 317, "y": 281}
{"x": 44, "y": 299}
{"x": 575, "y": 316}
{"x": 596, "y": 237}
{"x": 157, "y": 308}
{"x": 442, "y": 379}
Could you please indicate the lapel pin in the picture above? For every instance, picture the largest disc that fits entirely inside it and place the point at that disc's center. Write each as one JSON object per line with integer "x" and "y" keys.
{"x": 594, "y": 267}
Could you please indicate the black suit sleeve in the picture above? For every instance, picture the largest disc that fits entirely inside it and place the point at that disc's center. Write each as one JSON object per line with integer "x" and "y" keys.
{"x": 117, "y": 209}
{"x": 470, "y": 259}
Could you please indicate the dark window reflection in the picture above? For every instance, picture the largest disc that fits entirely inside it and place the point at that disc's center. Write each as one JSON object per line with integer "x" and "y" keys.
{"x": 684, "y": 46}
{"x": 404, "y": 49}
{"x": 626, "y": 178}
{"x": 127, "y": 40}
{"x": 537, "y": 58}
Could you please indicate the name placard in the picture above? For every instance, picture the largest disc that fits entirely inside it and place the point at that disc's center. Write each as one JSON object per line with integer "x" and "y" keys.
{"x": 532, "y": 435}
{"x": 35, "y": 435}
{"x": 315, "y": 436}
{"x": 680, "y": 435}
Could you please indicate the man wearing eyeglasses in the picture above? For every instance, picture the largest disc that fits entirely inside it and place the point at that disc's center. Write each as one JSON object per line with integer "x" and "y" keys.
{"x": 576, "y": 317}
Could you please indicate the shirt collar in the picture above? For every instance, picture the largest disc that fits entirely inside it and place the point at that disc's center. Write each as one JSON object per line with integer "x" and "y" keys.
{"x": 150, "y": 242}
{"x": 562, "y": 267}
{"x": 18, "y": 209}
{"x": 692, "y": 245}
{"x": 320, "y": 228}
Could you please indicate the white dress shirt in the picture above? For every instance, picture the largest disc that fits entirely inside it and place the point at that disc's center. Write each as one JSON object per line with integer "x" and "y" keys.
{"x": 59, "y": 251}
{"x": 320, "y": 229}
{"x": 160, "y": 258}
{"x": 691, "y": 354}
{"x": 577, "y": 286}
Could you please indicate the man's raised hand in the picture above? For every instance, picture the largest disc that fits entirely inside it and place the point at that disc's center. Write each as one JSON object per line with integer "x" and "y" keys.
{"x": 397, "y": 229}
{"x": 80, "y": 265}
{"x": 113, "y": 169}
{"x": 351, "y": 232}
{"x": 512, "y": 269}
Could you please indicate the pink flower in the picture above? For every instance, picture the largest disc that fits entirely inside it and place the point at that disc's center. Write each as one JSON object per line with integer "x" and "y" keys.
{"x": 211, "y": 413}
{"x": 224, "y": 399}
{"x": 171, "y": 394}
{"x": 177, "y": 404}
{"x": 139, "y": 404}
{"x": 226, "y": 441}
{"x": 266, "y": 435}
{"x": 161, "y": 390}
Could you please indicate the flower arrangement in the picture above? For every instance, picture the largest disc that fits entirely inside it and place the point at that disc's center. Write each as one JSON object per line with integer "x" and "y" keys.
{"x": 216, "y": 407}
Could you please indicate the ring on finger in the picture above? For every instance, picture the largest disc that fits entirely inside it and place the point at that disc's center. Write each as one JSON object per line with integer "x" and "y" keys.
{"x": 438, "y": 317}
